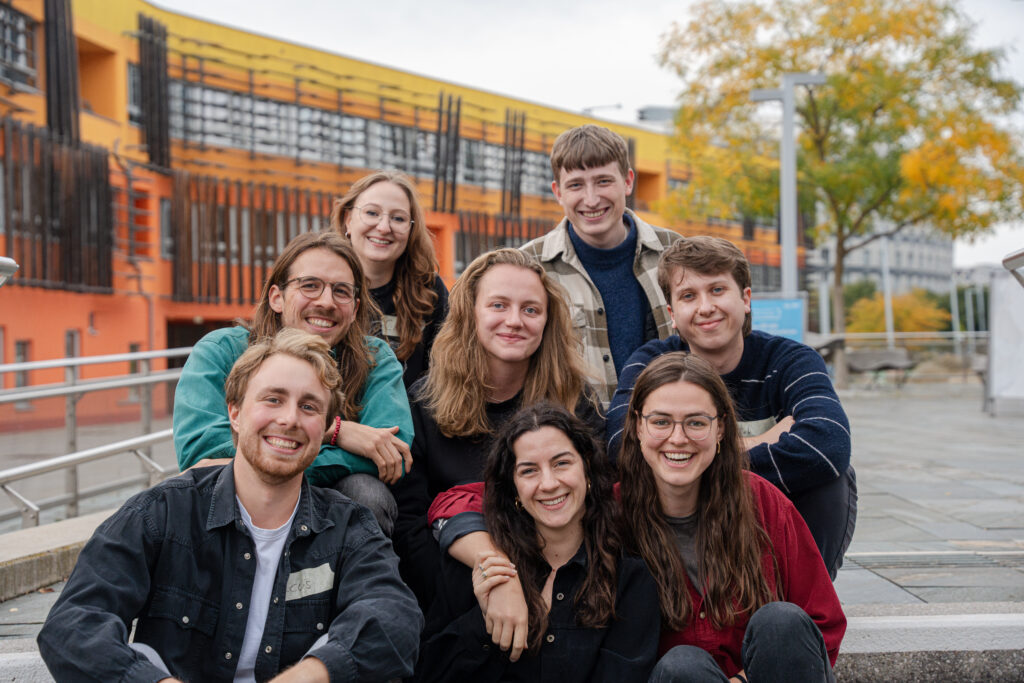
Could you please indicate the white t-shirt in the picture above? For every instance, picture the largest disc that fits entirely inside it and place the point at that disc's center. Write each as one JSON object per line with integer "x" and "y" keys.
{"x": 269, "y": 546}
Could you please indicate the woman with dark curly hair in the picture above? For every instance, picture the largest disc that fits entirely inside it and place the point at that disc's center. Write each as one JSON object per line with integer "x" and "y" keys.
{"x": 743, "y": 591}
{"x": 593, "y": 613}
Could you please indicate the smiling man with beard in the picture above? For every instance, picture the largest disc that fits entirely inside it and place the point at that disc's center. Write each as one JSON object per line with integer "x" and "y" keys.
{"x": 317, "y": 285}
{"x": 240, "y": 571}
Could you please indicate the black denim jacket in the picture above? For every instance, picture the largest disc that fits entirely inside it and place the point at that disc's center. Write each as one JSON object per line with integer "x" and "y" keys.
{"x": 457, "y": 647}
{"x": 179, "y": 558}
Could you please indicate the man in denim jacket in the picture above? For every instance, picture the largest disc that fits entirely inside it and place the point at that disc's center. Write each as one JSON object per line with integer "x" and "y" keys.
{"x": 242, "y": 571}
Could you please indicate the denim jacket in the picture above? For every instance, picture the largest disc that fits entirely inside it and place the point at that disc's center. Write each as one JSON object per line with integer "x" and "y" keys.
{"x": 201, "y": 425}
{"x": 179, "y": 559}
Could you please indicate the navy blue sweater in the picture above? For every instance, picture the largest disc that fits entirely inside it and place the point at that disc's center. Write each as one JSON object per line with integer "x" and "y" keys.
{"x": 775, "y": 377}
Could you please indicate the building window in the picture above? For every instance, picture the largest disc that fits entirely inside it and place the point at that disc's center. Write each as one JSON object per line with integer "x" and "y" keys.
{"x": 17, "y": 47}
{"x": 134, "y": 94}
{"x": 22, "y": 354}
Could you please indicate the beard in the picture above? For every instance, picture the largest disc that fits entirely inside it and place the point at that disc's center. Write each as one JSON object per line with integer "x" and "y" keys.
{"x": 270, "y": 466}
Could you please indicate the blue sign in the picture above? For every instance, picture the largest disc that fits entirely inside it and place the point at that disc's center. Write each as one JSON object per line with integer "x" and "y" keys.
{"x": 782, "y": 317}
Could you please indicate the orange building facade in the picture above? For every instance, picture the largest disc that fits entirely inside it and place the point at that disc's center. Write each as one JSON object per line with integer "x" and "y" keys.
{"x": 153, "y": 164}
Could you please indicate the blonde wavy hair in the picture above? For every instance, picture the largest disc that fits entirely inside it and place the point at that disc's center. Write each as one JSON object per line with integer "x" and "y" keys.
{"x": 297, "y": 344}
{"x": 457, "y": 384}
{"x": 415, "y": 268}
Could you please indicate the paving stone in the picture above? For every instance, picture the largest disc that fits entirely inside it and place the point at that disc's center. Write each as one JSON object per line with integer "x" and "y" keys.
{"x": 858, "y": 586}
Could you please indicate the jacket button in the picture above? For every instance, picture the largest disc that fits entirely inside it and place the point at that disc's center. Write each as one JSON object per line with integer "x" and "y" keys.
{"x": 267, "y": 649}
{"x": 184, "y": 620}
{"x": 600, "y": 311}
{"x": 319, "y": 627}
{"x": 238, "y": 605}
{"x": 550, "y": 638}
{"x": 275, "y": 599}
{"x": 227, "y": 655}
{"x": 304, "y": 527}
{"x": 701, "y": 615}
{"x": 247, "y": 556}
{"x": 560, "y": 596}
{"x": 606, "y": 357}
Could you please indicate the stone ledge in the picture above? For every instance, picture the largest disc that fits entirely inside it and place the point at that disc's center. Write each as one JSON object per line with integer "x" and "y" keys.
{"x": 39, "y": 556}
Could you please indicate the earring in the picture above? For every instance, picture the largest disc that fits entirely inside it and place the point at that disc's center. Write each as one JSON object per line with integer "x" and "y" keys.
{"x": 719, "y": 449}
{"x": 347, "y": 236}
{"x": 588, "y": 487}
{"x": 519, "y": 505}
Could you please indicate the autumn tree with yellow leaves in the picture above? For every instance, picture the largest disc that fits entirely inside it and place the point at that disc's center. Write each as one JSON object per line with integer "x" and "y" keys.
{"x": 912, "y": 126}
{"x": 915, "y": 311}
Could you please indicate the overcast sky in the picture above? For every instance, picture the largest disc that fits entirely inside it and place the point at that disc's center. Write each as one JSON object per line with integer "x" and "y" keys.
{"x": 569, "y": 54}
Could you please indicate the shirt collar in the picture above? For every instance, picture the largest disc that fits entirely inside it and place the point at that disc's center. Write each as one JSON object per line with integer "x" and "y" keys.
{"x": 224, "y": 509}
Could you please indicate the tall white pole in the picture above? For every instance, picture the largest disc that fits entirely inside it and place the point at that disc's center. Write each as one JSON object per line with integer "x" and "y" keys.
{"x": 787, "y": 171}
{"x": 954, "y": 308}
{"x": 890, "y": 338}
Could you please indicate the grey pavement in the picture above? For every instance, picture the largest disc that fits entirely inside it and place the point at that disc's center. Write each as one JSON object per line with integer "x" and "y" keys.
{"x": 936, "y": 566}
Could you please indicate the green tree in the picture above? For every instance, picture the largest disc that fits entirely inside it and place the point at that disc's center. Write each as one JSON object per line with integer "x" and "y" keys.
{"x": 911, "y": 127}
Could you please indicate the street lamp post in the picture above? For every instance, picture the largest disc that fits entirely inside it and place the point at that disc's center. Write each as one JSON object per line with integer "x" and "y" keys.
{"x": 787, "y": 170}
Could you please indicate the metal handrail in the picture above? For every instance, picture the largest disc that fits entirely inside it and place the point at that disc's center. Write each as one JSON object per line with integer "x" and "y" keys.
{"x": 69, "y": 389}
{"x": 94, "y": 360}
{"x": 29, "y": 510}
{"x": 72, "y": 390}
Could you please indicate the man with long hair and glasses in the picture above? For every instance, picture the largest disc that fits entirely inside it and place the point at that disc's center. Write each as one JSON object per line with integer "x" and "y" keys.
{"x": 316, "y": 285}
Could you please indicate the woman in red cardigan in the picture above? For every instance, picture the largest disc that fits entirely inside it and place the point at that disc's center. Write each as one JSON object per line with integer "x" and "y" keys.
{"x": 744, "y": 594}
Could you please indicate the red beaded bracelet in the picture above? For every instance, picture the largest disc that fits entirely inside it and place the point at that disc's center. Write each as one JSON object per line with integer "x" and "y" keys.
{"x": 337, "y": 429}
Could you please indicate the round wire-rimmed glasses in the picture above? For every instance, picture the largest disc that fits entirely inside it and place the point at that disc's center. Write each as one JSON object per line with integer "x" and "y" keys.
{"x": 312, "y": 287}
{"x": 372, "y": 214}
{"x": 695, "y": 427}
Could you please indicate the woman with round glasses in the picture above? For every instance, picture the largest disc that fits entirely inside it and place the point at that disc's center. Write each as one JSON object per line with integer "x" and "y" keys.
{"x": 743, "y": 591}
{"x": 593, "y": 613}
{"x": 382, "y": 218}
{"x": 507, "y": 342}
{"x": 316, "y": 285}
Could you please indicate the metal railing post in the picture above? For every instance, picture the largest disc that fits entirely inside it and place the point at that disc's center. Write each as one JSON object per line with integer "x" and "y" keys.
{"x": 147, "y": 404}
{"x": 71, "y": 432}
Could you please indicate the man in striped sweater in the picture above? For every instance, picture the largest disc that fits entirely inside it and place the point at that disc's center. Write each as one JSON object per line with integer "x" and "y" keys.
{"x": 794, "y": 427}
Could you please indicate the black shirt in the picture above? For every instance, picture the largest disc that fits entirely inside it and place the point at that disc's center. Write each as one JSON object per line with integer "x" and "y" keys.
{"x": 456, "y": 646}
{"x": 439, "y": 463}
{"x": 418, "y": 362}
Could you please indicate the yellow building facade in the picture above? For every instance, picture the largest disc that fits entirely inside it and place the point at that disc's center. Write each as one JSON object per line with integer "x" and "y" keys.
{"x": 153, "y": 164}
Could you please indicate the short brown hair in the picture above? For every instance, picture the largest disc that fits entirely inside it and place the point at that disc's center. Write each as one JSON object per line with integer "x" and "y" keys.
{"x": 707, "y": 256}
{"x": 588, "y": 146}
{"x": 297, "y": 344}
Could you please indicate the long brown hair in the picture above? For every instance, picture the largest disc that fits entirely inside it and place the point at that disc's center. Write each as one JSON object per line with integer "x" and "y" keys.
{"x": 730, "y": 539}
{"x": 515, "y": 532}
{"x": 354, "y": 355}
{"x": 415, "y": 268}
{"x": 458, "y": 383}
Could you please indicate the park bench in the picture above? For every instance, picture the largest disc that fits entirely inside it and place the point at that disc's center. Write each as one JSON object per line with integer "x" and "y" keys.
{"x": 877, "y": 361}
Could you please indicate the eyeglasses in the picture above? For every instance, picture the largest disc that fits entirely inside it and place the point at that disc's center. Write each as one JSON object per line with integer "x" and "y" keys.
{"x": 312, "y": 287}
{"x": 372, "y": 214}
{"x": 695, "y": 427}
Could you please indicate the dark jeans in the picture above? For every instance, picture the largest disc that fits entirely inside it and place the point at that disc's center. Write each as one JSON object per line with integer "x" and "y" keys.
{"x": 370, "y": 491}
{"x": 782, "y": 644}
{"x": 830, "y": 511}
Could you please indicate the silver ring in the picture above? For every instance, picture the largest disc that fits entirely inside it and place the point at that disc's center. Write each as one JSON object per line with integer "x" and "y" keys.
{"x": 484, "y": 574}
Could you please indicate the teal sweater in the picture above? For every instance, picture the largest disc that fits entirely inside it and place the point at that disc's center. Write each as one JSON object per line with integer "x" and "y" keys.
{"x": 202, "y": 429}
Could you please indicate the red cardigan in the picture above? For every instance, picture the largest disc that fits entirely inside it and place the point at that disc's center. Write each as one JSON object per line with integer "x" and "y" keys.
{"x": 804, "y": 579}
